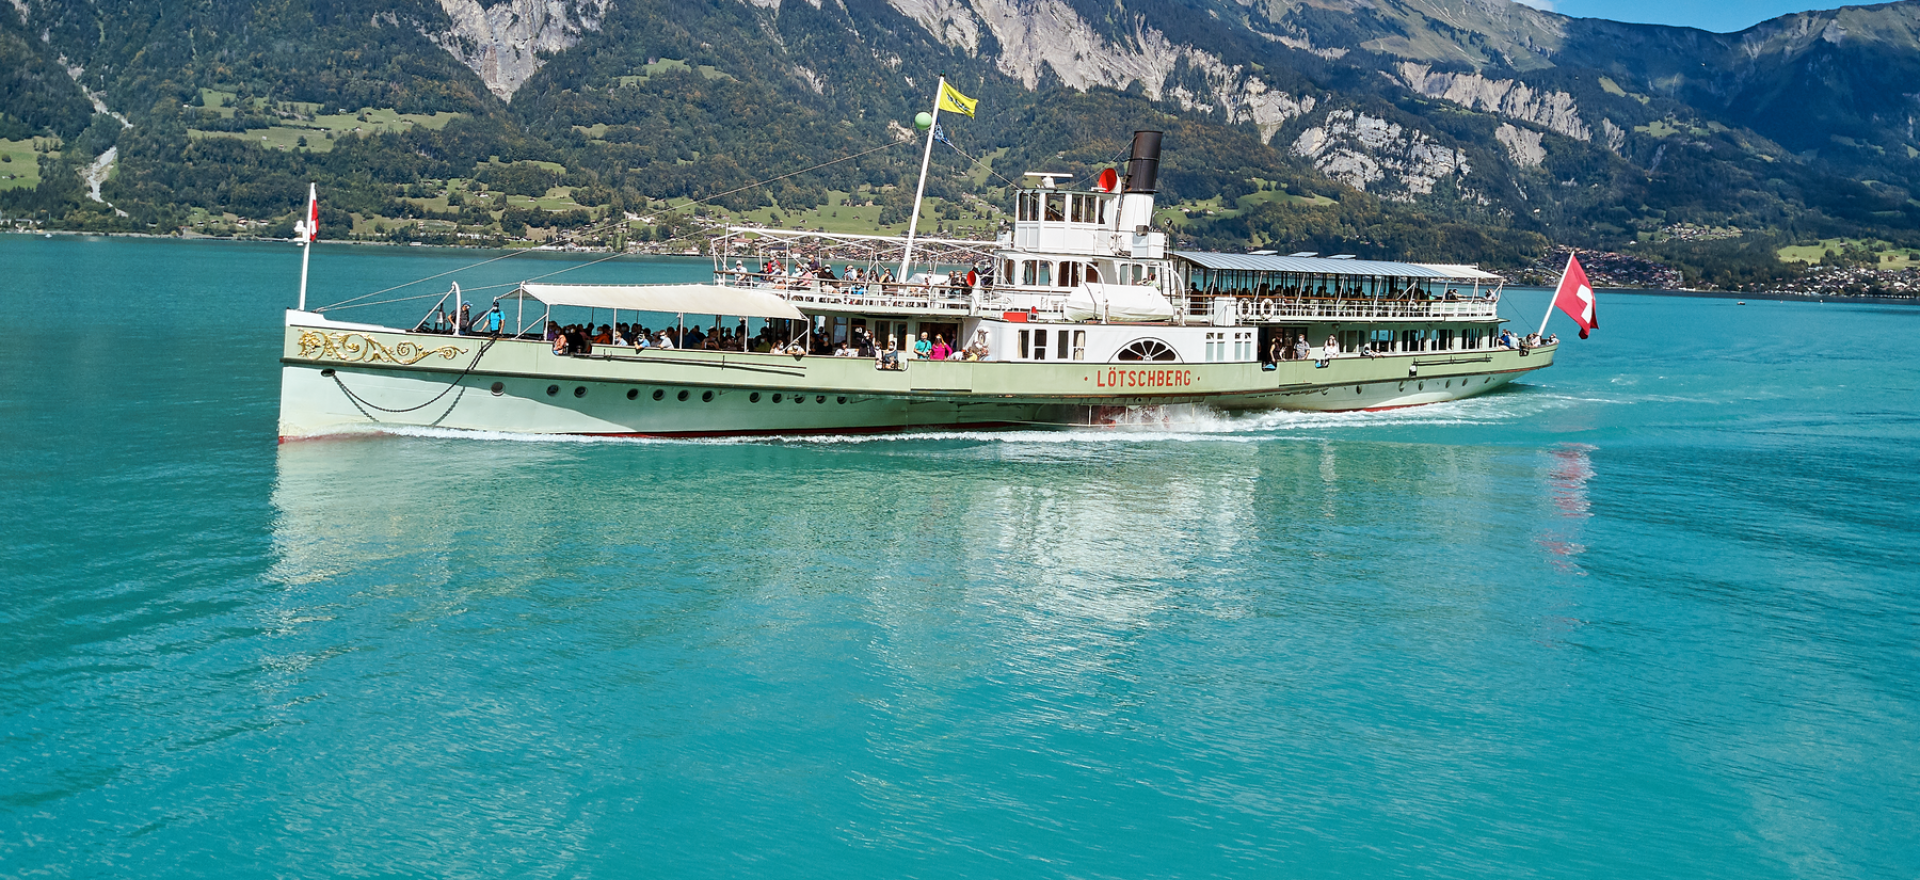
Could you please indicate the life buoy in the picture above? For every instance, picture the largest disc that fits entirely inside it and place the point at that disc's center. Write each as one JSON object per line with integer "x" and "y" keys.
{"x": 1266, "y": 308}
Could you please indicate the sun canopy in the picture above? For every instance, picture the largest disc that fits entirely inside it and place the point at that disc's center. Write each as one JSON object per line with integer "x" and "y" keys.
{"x": 672, "y": 299}
{"x": 1330, "y": 266}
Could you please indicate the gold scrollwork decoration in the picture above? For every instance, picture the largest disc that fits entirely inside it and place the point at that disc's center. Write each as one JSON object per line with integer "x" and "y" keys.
{"x": 359, "y": 348}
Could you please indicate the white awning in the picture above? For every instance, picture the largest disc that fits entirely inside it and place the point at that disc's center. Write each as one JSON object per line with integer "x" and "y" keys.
{"x": 1459, "y": 272}
{"x": 672, "y": 299}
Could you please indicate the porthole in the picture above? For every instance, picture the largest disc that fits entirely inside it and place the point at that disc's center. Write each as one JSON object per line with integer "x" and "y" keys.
{"x": 328, "y": 372}
{"x": 706, "y": 397}
{"x": 659, "y": 393}
{"x": 499, "y": 388}
{"x": 1449, "y": 383}
{"x": 1423, "y": 387}
{"x": 1356, "y": 390}
{"x": 682, "y": 396}
{"x": 776, "y": 398}
{"x": 799, "y": 398}
{"x": 579, "y": 390}
{"x": 553, "y": 390}
{"x": 633, "y": 394}
{"x": 1486, "y": 380}
{"x": 820, "y": 398}
{"x": 842, "y": 399}
{"x": 754, "y": 397}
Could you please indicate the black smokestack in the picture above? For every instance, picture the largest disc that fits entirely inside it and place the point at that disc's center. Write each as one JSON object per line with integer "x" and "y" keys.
{"x": 1143, "y": 170}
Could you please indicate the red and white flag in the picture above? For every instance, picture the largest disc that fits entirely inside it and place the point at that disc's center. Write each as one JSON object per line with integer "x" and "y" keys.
{"x": 1575, "y": 297}
{"x": 309, "y": 229}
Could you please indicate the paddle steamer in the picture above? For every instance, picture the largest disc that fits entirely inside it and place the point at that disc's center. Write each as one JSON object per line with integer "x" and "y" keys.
{"x": 1083, "y": 314}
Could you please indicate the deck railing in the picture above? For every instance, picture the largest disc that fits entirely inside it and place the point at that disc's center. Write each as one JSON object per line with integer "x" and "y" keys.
{"x": 1351, "y": 309}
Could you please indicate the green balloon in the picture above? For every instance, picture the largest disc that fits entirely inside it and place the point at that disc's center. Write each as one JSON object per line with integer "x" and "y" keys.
{"x": 923, "y": 121}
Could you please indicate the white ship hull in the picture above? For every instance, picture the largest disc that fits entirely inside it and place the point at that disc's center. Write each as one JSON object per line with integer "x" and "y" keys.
{"x": 364, "y": 383}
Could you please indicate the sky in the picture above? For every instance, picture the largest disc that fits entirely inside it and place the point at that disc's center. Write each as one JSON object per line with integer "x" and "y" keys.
{"x": 1722, "y": 16}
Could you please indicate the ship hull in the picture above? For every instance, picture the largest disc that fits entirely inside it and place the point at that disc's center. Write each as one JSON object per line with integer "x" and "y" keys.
{"x": 344, "y": 381}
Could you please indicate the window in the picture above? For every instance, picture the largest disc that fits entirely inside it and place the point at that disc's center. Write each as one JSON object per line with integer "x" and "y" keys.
{"x": 1039, "y": 345}
{"x": 1069, "y": 274}
{"x": 1026, "y": 341}
{"x": 1147, "y": 350}
{"x": 1061, "y": 354}
{"x": 1027, "y": 271}
{"x": 1056, "y": 206}
{"x": 1046, "y": 274}
{"x": 1352, "y": 340}
{"x": 1079, "y": 345}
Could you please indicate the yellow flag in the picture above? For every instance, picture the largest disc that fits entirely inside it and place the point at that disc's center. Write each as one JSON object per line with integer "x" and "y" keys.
{"x": 953, "y": 102}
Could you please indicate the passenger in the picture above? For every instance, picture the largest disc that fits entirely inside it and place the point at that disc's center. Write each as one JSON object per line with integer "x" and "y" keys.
{"x": 1302, "y": 349}
{"x": 795, "y": 348}
{"x": 493, "y": 319}
{"x": 978, "y": 350}
{"x": 466, "y": 319}
{"x": 866, "y": 345}
{"x": 553, "y": 331}
{"x": 922, "y": 349}
{"x": 941, "y": 350}
{"x": 1328, "y": 351}
{"x": 890, "y": 359}
{"x": 605, "y": 336}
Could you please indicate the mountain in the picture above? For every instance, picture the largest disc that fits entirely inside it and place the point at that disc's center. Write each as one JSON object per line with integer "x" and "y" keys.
{"x": 1440, "y": 129}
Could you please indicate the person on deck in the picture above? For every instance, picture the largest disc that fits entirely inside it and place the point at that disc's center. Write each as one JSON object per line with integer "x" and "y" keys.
{"x": 890, "y": 359}
{"x": 1302, "y": 349}
{"x": 922, "y": 349}
{"x": 492, "y": 319}
{"x": 978, "y": 350}
{"x": 941, "y": 350}
{"x": 1328, "y": 351}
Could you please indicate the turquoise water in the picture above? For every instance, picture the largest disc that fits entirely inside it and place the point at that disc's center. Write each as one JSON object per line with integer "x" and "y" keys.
{"x": 1652, "y": 614}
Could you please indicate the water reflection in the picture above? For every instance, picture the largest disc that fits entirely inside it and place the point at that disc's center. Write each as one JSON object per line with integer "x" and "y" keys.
{"x": 1568, "y": 469}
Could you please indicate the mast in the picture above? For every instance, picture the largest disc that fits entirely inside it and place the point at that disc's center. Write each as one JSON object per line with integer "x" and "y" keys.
{"x": 913, "y": 221}
{"x": 308, "y": 229}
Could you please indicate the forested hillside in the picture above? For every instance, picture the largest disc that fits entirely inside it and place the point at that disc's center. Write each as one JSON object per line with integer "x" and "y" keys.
{"x": 1458, "y": 130}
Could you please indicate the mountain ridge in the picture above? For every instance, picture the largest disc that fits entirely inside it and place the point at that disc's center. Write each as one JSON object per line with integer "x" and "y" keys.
{"x": 1531, "y": 125}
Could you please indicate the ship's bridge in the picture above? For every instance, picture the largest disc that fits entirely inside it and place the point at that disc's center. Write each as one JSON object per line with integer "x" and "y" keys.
{"x": 1112, "y": 220}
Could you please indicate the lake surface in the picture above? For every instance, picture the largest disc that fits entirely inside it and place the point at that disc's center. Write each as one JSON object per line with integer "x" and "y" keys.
{"x": 1655, "y": 613}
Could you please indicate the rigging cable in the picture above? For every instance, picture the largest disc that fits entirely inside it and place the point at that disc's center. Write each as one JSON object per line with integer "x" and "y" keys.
{"x": 355, "y": 302}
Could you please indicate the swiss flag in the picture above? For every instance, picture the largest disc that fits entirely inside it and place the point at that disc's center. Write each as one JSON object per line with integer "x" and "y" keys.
{"x": 309, "y": 229}
{"x": 1575, "y": 297}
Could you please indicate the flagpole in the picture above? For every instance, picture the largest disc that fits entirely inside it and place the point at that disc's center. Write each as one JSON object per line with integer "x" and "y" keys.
{"x": 913, "y": 222}
{"x": 306, "y": 252}
{"x": 1556, "y": 296}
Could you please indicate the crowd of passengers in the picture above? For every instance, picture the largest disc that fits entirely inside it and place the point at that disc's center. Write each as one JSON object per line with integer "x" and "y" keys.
{"x": 1302, "y": 350}
{"x": 852, "y": 279}
{"x": 580, "y": 339}
{"x": 1413, "y": 293}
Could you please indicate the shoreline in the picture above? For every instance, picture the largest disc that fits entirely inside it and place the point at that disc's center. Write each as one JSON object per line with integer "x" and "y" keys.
{"x": 1631, "y": 291}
